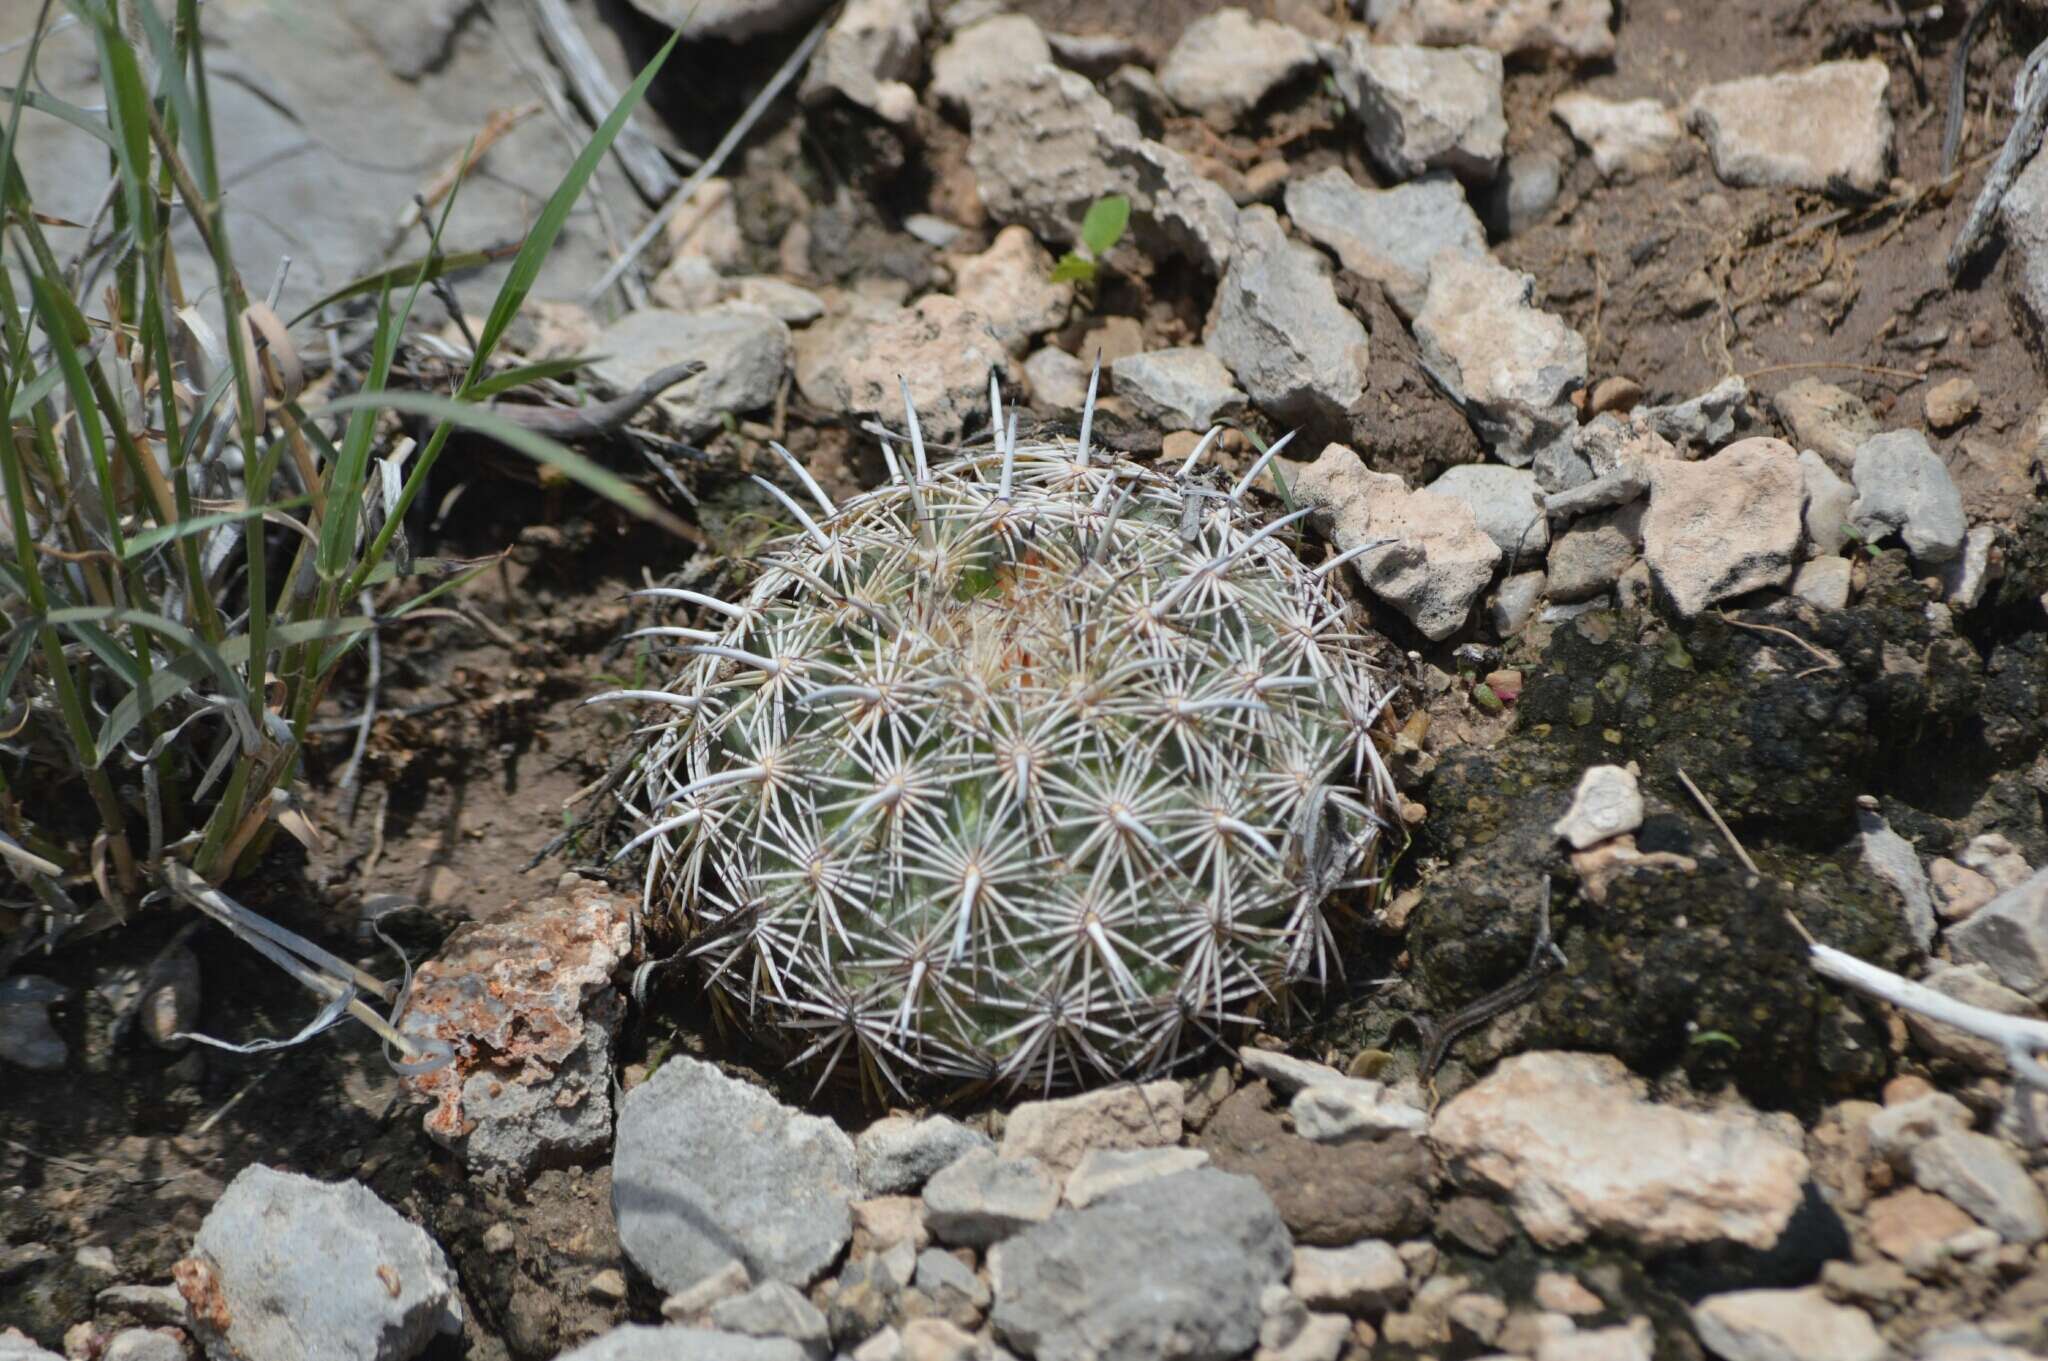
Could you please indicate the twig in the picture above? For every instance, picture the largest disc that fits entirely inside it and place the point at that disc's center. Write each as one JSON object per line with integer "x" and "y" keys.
{"x": 716, "y": 160}
{"x": 1726, "y": 835}
{"x": 1828, "y": 660}
{"x": 2030, "y": 95}
{"x": 1871, "y": 369}
{"x": 642, "y": 160}
{"x": 1959, "y": 82}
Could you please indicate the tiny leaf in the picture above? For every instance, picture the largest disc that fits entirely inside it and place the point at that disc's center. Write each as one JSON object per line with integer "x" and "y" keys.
{"x": 1104, "y": 225}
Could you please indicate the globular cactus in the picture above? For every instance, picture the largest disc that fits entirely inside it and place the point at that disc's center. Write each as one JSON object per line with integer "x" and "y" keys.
{"x": 1031, "y": 767}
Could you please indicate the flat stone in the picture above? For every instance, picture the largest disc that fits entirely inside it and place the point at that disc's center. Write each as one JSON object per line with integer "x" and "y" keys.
{"x": 1831, "y": 421}
{"x": 937, "y": 1339}
{"x": 1010, "y": 283}
{"x": 1353, "y": 1109}
{"x": 1895, "y": 1131}
{"x": 1594, "y": 552}
{"x": 1560, "y": 1292}
{"x": 1102, "y": 1170}
{"x": 1786, "y": 1325}
{"x": 1387, "y": 235}
{"x": 1059, "y": 381}
{"x": 1435, "y": 561}
{"x": 288, "y": 1267}
{"x": 1903, "y": 488}
{"x": 896, "y": 1154}
{"x": 1321, "y": 1337}
{"x": 1824, "y": 582}
{"x": 775, "y": 1309}
{"x": 640, "y": 1342}
{"x": 1329, "y": 1194}
{"x": 745, "y": 353}
{"x": 1509, "y": 364}
{"x": 1367, "y": 1277}
{"x": 945, "y": 348}
{"x": 2023, "y": 220}
{"x": 1607, "y": 804}
{"x": 1984, "y": 1177}
{"x": 1297, "y": 350}
{"x": 1515, "y": 602}
{"x": 1506, "y": 503}
{"x": 1172, "y": 1268}
{"x": 986, "y": 54}
{"x": 1828, "y": 499}
{"x": 1911, "y": 1225}
{"x": 1572, "y": 30}
{"x": 1824, "y": 129}
{"x": 1227, "y": 62}
{"x": 694, "y": 1301}
{"x": 708, "y": 1169}
{"x": 983, "y": 1198}
{"x": 1285, "y": 1073}
{"x": 1726, "y": 525}
{"x": 1628, "y": 138}
{"x": 1892, "y": 859}
{"x": 728, "y": 20}
{"x": 1424, "y": 108}
{"x": 1579, "y": 1150}
{"x": 1058, "y": 1134}
{"x": 1184, "y": 388}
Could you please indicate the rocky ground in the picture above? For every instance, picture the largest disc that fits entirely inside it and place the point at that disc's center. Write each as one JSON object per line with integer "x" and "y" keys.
{"x": 1699, "y": 504}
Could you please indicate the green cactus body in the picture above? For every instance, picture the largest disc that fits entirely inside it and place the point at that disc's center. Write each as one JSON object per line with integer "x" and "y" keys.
{"x": 1031, "y": 767}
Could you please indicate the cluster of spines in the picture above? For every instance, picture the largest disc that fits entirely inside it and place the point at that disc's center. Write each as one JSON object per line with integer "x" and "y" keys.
{"x": 1025, "y": 780}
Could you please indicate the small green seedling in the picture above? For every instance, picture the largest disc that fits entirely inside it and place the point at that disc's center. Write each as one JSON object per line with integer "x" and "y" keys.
{"x": 1101, "y": 229}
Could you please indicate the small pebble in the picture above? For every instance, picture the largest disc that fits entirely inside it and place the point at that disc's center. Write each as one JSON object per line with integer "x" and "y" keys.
{"x": 1952, "y": 403}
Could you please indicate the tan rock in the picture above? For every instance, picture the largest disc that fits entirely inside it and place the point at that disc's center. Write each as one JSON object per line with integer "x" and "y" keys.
{"x": 1726, "y": 525}
{"x": 1011, "y": 284}
{"x": 1806, "y": 129}
{"x": 1907, "y": 1225}
{"x": 1059, "y": 1133}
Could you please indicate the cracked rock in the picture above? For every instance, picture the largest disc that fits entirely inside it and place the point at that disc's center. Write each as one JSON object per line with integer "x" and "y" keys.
{"x": 1011, "y": 284}
{"x": 1297, "y": 350}
{"x": 944, "y": 347}
{"x": 745, "y": 353}
{"x": 1388, "y": 235}
{"x": 1512, "y": 366}
{"x": 1424, "y": 108}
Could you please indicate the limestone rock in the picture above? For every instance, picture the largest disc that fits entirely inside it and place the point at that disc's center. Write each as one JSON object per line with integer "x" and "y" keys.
{"x": 1575, "y": 30}
{"x": 1227, "y": 61}
{"x": 1820, "y": 128}
{"x": 1010, "y": 283}
{"x": 945, "y": 348}
{"x": 1388, "y": 235}
{"x": 1903, "y": 488}
{"x": 1510, "y": 365}
{"x": 745, "y": 355}
{"x": 1183, "y": 388}
{"x": 1424, "y": 108}
{"x": 1060, "y": 1133}
{"x": 986, "y": 54}
{"x": 1831, "y": 421}
{"x": 1726, "y": 525}
{"x": 1628, "y": 138}
{"x": 1296, "y": 349}
{"x": 1786, "y": 1325}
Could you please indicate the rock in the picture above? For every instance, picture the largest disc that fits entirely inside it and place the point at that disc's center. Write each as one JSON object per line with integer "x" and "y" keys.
{"x": 526, "y": 1002}
{"x": 936, "y": 1339}
{"x": 19, "y": 1346}
{"x": 1898, "y": 1129}
{"x": 1285, "y": 1073}
{"x": 1352, "y": 1109}
{"x": 881, "y": 1222}
{"x": 708, "y": 1169}
{"x": 1058, "y": 1134}
{"x": 157, "y": 1306}
{"x": 1892, "y": 859}
{"x": 1436, "y": 559}
{"x": 1329, "y": 1194}
{"x": 1632, "y": 1341}
{"x": 897, "y": 1155}
{"x": 1059, "y": 382}
{"x": 1911, "y": 1225}
{"x": 1786, "y": 1325}
{"x": 694, "y": 1301}
{"x": 1831, "y": 421}
{"x": 986, "y": 54}
{"x": 1985, "y": 1178}
{"x": 745, "y": 353}
{"x": 886, "y": 1345}
{"x": 1828, "y": 499}
{"x": 1010, "y": 283}
{"x": 1974, "y": 984}
{"x": 868, "y": 56}
{"x": 869, "y": 1292}
{"x": 728, "y": 20}
{"x": 1511, "y": 365}
{"x": 1825, "y": 129}
{"x": 1594, "y": 553}
{"x": 1959, "y": 890}
{"x": 945, "y": 348}
{"x": 1515, "y": 602}
{"x": 1903, "y": 488}
{"x": 706, "y": 227}
{"x": 1388, "y": 235}
{"x": 26, "y": 1036}
{"x": 1227, "y": 62}
{"x": 1824, "y": 582}
{"x": 1992, "y": 856}
{"x": 1524, "y": 192}
{"x": 1951, "y": 403}
{"x": 1576, "y": 30}
{"x": 1561, "y": 1293}
{"x": 1966, "y": 577}
{"x": 1424, "y": 108}
{"x": 1572, "y": 1141}
{"x": 2023, "y": 220}
{"x": 1363, "y": 1278}
{"x": 1172, "y": 1268}
{"x": 141, "y": 1344}
{"x": 1296, "y": 349}
{"x": 639, "y": 1342}
{"x": 1726, "y": 525}
{"x": 984, "y": 1198}
{"x": 1102, "y": 1170}
{"x": 1628, "y": 138}
{"x": 1046, "y": 145}
{"x": 287, "y": 1267}
{"x": 1606, "y": 804}
{"x": 940, "y": 1274}
{"x": 1505, "y": 503}
{"x": 775, "y": 1309}
{"x": 1321, "y": 1337}
{"x": 1184, "y": 388}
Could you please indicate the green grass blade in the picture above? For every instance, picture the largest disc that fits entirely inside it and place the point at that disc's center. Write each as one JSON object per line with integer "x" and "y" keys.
{"x": 128, "y": 113}
{"x": 58, "y": 108}
{"x": 529, "y": 373}
{"x": 424, "y": 270}
{"x": 162, "y": 534}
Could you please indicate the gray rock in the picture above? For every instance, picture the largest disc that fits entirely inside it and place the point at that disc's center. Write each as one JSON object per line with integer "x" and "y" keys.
{"x": 1570, "y": 30}
{"x": 26, "y": 1036}
{"x": 1828, "y": 499}
{"x": 775, "y": 1309}
{"x": 1725, "y": 525}
{"x": 868, "y": 56}
{"x": 2023, "y": 214}
{"x": 156, "y": 1305}
{"x": 708, "y": 1170}
{"x": 1892, "y": 858}
{"x": 1226, "y": 62}
{"x": 19, "y": 1346}
{"x": 1046, "y": 145}
{"x": 985, "y": 54}
{"x": 1424, "y": 108}
{"x": 1786, "y": 1325}
{"x": 639, "y": 1342}
{"x": 1510, "y": 365}
{"x": 940, "y": 1273}
{"x": 1102, "y": 1170}
{"x": 1296, "y": 349}
{"x": 1824, "y": 582}
{"x": 1524, "y": 192}
{"x": 897, "y": 1155}
{"x": 1607, "y": 804}
{"x": 982, "y": 1198}
{"x": 1284, "y": 1073}
{"x": 1515, "y": 602}
{"x": 1365, "y": 1277}
{"x": 1984, "y": 1177}
{"x": 1628, "y": 137}
{"x": 1704, "y": 423}
{"x": 1059, "y": 381}
{"x": 1388, "y": 235}
{"x": 2010, "y": 935}
{"x": 1594, "y": 553}
{"x": 1831, "y": 421}
{"x": 1896, "y": 1130}
{"x": 1058, "y": 1134}
{"x": 746, "y": 356}
{"x": 1184, "y": 388}
{"x": 1992, "y": 856}
{"x": 1172, "y": 1268}
{"x": 1968, "y": 575}
{"x": 1824, "y": 128}
{"x": 1903, "y": 488}
{"x": 693, "y": 1302}
{"x": 728, "y": 20}
{"x": 142, "y": 1344}
{"x": 285, "y": 1266}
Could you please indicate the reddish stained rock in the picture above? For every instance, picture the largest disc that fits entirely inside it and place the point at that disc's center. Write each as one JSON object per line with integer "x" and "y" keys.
{"x": 527, "y": 1004}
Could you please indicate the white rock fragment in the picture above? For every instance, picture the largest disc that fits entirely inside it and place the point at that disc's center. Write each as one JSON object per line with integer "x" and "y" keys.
{"x": 1059, "y": 381}
{"x": 1515, "y": 602}
{"x": 1628, "y": 138}
{"x": 1298, "y": 351}
{"x": 1825, "y": 128}
{"x": 1284, "y": 1073}
{"x": 1505, "y": 502}
{"x": 1903, "y": 488}
{"x": 868, "y": 56}
{"x": 1828, "y": 499}
{"x": 1365, "y": 1277}
{"x": 1726, "y": 525}
{"x": 1011, "y": 284}
{"x": 985, "y": 54}
{"x": 1892, "y": 858}
{"x": 1575, "y": 30}
{"x": 1510, "y": 365}
{"x": 1226, "y": 62}
{"x": 1183, "y": 388}
{"x": 1424, "y": 108}
{"x": 1102, "y": 1170}
{"x": 1608, "y": 803}
{"x": 1968, "y": 575}
{"x": 1983, "y": 1176}
{"x": 1786, "y": 1325}
{"x": 1353, "y": 1109}
{"x": 1387, "y": 235}
{"x": 1824, "y": 582}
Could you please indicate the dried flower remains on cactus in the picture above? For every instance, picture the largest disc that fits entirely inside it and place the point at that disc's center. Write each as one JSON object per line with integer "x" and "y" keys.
{"x": 1034, "y": 767}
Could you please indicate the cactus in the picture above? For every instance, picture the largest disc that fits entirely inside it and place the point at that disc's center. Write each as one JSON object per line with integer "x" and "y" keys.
{"x": 1028, "y": 768}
